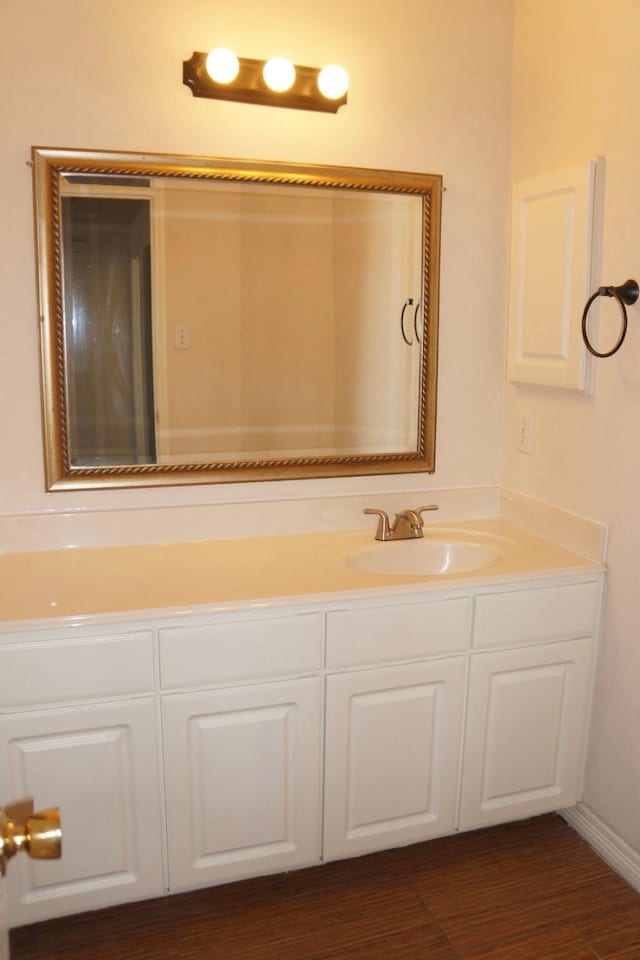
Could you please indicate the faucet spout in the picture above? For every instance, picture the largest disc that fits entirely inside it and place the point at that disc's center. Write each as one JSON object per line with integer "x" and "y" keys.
{"x": 407, "y": 525}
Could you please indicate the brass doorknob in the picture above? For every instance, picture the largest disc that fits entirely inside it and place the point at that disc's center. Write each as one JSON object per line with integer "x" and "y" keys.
{"x": 38, "y": 834}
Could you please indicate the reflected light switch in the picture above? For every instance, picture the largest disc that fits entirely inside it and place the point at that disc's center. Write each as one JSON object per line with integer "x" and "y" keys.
{"x": 181, "y": 338}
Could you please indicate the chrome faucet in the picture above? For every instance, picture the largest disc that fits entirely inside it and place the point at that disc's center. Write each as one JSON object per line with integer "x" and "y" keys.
{"x": 407, "y": 525}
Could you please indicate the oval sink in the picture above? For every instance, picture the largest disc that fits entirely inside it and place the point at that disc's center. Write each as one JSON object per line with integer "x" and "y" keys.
{"x": 427, "y": 556}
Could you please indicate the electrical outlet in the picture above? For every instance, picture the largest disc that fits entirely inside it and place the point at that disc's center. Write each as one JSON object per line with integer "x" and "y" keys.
{"x": 525, "y": 432}
{"x": 181, "y": 338}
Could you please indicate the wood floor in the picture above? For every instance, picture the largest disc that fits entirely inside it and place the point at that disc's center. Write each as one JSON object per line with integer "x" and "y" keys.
{"x": 526, "y": 891}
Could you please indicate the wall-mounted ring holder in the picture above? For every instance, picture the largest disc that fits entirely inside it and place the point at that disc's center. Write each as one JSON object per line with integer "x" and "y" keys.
{"x": 626, "y": 295}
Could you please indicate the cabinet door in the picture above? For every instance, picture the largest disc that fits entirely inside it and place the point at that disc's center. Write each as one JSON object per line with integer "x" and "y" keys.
{"x": 98, "y": 764}
{"x": 526, "y": 725}
{"x": 242, "y": 781}
{"x": 393, "y": 742}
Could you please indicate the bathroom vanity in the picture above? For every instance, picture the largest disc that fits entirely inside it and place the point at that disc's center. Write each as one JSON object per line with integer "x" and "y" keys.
{"x": 208, "y": 712}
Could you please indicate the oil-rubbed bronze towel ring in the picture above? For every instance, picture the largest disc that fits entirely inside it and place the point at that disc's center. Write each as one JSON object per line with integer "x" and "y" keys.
{"x": 626, "y": 294}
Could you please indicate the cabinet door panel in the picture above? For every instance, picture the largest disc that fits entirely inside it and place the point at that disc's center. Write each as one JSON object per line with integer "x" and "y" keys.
{"x": 526, "y": 725}
{"x": 244, "y": 790}
{"x": 98, "y": 764}
{"x": 392, "y": 755}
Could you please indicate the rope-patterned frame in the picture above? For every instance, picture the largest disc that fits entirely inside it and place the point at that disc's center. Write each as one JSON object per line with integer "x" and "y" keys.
{"x": 59, "y": 163}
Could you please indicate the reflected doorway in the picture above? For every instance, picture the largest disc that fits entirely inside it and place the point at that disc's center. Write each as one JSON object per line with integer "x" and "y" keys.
{"x": 108, "y": 336}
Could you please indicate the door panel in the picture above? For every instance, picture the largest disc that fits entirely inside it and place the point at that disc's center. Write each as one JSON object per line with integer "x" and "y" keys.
{"x": 99, "y": 764}
{"x": 4, "y": 920}
{"x": 392, "y": 755}
{"x": 526, "y": 723}
{"x": 244, "y": 792}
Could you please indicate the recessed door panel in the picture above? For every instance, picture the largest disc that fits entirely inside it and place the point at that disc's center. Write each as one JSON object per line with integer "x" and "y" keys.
{"x": 392, "y": 755}
{"x": 243, "y": 797}
{"x": 239, "y": 780}
{"x": 526, "y": 723}
{"x": 98, "y": 764}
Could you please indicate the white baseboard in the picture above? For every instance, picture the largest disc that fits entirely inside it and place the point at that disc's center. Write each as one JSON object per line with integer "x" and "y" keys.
{"x": 606, "y": 843}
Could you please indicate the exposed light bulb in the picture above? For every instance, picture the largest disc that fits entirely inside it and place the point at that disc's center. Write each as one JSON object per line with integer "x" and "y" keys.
{"x": 222, "y": 65}
{"x": 333, "y": 82}
{"x": 279, "y": 74}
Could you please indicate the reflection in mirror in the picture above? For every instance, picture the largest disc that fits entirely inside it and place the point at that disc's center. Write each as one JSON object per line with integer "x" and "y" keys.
{"x": 108, "y": 331}
{"x": 234, "y": 323}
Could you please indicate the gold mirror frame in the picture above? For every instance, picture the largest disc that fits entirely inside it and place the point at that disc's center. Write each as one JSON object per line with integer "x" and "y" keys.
{"x": 51, "y": 164}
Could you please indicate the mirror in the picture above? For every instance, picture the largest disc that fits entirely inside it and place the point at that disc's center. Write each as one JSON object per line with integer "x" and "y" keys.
{"x": 224, "y": 320}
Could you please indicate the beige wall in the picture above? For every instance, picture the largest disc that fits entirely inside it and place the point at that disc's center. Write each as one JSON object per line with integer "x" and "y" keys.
{"x": 199, "y": 388}
{"x": 258, "y": 371}
{"x": 430, "y": 92}
{"x": 577, "y": 76}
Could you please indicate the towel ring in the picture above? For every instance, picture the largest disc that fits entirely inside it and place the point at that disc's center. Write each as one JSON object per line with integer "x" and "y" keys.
{"x": 626, "y": 294}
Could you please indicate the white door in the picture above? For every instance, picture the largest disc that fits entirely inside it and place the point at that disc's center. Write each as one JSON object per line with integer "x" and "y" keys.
{"x": 22, "y": 831}
{"x": 242, "y": 781}
{"x": 98, "y": 763}
{"x": 4, "y": 920}
{"x": 526, "y": 723}
{"x": 393, "y": 745}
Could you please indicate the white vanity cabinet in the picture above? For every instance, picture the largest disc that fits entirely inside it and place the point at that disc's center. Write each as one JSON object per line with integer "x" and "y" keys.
{"x": 78, "y": 730}
{"x": 526, "y": 723}
{"x": 393, "y": 733}
{"x": 393, "y": 740}
{"x": 528, "y": 701}
{"x": 243, "y": 781}
{"x": 242, "y": 760}
{"x": 197, "y": 749}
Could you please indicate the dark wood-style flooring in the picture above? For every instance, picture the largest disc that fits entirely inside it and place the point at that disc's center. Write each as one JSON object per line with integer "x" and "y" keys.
{"x": 525, "y": 891}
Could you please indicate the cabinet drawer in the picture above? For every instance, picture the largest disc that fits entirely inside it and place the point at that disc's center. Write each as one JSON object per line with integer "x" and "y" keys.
{"x": 535, "y": 616}
{"x": 240, "y": 650}
{"x": 47, "y": 671}
{"x": 403, "y": 631}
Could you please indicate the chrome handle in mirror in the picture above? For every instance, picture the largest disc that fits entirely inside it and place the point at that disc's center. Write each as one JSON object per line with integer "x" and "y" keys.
{"x": 415, "y": 322}
{"x": 408, "y": 303}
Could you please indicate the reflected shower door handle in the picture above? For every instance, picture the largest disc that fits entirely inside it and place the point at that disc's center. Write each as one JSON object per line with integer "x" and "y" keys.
{"x": 415, "y": 320}
{"x": 408, "y": 303}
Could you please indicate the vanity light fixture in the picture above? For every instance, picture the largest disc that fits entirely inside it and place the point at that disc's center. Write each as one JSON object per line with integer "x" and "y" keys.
{"x": 221, "y": 75}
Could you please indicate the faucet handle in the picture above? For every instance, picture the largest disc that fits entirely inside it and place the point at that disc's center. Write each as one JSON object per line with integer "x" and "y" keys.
{"x": 383, "y": 531}
{"x": 430, "y": 506}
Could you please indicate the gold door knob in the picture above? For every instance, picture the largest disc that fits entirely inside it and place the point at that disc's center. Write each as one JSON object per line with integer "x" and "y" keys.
{"x": 39, "y": 834}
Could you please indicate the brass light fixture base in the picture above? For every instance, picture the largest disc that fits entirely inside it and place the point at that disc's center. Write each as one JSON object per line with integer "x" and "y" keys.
{"x": 249, "y": 86}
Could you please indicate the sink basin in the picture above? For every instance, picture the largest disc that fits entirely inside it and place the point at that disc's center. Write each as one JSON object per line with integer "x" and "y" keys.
{"x": 427, "y": 557}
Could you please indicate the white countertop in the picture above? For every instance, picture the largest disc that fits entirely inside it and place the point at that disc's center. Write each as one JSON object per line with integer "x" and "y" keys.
{"x": 84, "y": 584}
